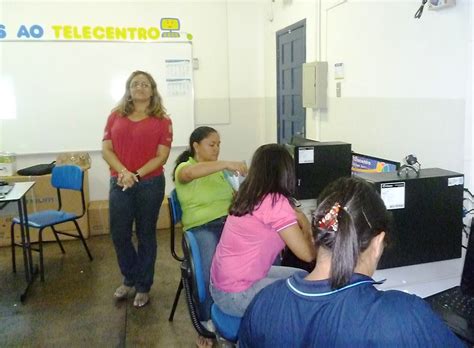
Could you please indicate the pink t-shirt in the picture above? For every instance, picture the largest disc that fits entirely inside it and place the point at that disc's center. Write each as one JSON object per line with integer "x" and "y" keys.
{"x": 249, "y": 244}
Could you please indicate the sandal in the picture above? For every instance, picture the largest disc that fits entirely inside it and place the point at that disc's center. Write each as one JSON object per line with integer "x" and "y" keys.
{"x": 203, "y": 342}
{"x": 141, "y": 299}
{"x": 123, "y": 292}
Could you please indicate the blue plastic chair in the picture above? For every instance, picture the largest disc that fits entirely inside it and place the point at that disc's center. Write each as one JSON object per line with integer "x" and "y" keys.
{"x": 175, "y": 218}
{"x": 196, "y": 280}
{"x": 66, "y": 177}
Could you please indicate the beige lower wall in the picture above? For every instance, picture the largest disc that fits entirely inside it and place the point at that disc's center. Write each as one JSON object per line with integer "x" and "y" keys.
{"x": 98, "y": 217}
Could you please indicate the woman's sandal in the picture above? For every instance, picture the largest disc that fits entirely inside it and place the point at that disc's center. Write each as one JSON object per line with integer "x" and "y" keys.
{"x": 123, "y": 292}
{"x": 141, "y": 299}
{"x": 203, "y": 342}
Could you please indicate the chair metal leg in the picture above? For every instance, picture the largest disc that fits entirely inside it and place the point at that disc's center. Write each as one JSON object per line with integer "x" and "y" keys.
{"x": 12, "y": 231}
{"x": 58, "y": 240}
{"x": 176, "y": 299}
{"x": 40, "y": 248}
{"x": 83, "y": 240}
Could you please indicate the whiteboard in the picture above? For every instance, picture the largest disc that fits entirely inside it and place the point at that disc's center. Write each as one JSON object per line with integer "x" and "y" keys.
{"x": 64, "y": 90}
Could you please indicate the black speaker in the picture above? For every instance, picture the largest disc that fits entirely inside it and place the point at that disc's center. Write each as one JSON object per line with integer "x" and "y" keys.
{"x": 427, "y": 214}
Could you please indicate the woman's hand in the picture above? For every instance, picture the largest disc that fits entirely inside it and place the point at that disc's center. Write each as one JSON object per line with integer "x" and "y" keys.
{"x": 304, "y": 224}
{"x": 202, "y": 169}
{"x": 126, "y": 179}
{"x": 303, "y": 221}
{"x": 239, "y": 168}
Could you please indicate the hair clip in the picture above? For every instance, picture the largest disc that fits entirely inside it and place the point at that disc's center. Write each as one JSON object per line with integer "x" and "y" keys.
{"x": 329, "y": 221}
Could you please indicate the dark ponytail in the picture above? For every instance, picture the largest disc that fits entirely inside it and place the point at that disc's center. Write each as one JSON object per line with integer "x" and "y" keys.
{"x": 345, "y": 251}
{"x": 362, "y": 216}
{"x": 196, "y": 136}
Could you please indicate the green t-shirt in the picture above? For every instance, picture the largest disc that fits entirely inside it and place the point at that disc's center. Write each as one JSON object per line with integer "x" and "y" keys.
{"x": 204, "y": 199}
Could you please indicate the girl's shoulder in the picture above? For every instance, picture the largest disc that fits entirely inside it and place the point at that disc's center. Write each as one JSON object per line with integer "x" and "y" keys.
{"x": 274, "y": 200}
{"x": 275, "y": 197}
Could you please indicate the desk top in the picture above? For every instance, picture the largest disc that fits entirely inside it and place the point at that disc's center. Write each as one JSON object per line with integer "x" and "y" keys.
{"x": 18, "y": 191}
{"x": 424, "y": 279}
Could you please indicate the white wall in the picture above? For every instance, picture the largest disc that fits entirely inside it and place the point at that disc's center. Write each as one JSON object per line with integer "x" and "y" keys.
{"x": 407, "y": 86}
{"x": 227, "y": 37}
{"x": 382, "y": 46}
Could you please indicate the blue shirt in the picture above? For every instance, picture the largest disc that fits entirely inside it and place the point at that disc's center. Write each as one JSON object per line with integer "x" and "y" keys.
{"x": 300, "y": 313}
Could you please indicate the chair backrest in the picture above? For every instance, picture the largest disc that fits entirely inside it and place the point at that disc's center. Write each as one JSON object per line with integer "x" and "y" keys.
{"x": 199, "y": 248}
{"x": 68, "y": 177}
{"x": 174, "y": 207}
{"x": 175, "y": 218}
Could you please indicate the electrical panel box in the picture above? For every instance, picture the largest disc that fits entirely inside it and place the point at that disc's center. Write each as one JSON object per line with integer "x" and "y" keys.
{"x": 427, "y": 215}
{"x": 319, "y": 163}
{"x": 315, "y": 85}
{"x": 440, "y": 4}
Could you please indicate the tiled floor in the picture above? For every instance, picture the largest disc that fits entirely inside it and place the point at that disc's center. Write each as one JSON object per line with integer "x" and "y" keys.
{"x": 74, "y": 306}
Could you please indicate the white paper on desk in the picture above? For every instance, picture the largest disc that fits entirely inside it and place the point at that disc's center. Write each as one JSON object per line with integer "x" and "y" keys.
{"x": 393, "y": 195}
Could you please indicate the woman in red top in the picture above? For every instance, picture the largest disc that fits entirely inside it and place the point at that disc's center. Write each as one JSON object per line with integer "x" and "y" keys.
{"x": 136, "y": 145}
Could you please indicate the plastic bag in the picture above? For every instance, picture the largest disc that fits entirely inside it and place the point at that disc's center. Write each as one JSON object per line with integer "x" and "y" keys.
{"x": 81, "y": 159}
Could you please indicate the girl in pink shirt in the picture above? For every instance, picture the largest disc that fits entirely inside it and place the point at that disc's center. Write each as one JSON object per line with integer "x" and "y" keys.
{"x": 261, "y": 221}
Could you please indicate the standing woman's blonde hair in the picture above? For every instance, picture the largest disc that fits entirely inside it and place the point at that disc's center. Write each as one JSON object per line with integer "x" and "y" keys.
{"x": 126, "y": 106}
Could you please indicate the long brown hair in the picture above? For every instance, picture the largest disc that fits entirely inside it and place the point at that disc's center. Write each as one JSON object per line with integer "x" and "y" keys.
{"x": 126, "y": 107}
{"x": 271, "y": 172}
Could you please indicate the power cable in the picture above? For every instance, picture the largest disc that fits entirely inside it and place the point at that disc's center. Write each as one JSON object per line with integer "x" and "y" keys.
{"x": 420, "y": 10}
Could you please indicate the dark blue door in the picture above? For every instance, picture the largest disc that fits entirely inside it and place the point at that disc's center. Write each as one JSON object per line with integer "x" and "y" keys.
{"x": 291, "y": 54}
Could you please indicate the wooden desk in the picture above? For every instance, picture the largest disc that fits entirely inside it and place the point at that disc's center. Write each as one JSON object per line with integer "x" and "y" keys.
{"x": 18, "y": 194}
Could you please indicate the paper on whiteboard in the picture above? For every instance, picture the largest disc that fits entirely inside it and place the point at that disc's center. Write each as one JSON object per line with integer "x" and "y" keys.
{"x": 178, "y": 87}
{"x": 178, "y": 77}
{"x": 178, "y": 68}
{"x": 393, "y": 195}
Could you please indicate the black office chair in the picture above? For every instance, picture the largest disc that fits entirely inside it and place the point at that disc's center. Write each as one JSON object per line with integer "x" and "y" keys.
{"x": 66, "y": 177}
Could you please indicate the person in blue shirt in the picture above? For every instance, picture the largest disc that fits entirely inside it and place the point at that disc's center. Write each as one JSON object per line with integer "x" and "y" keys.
{"x": 337, "y": 304}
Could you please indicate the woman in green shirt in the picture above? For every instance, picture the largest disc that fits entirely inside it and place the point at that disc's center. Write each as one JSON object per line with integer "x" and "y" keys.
{"x": 203, "y": 192}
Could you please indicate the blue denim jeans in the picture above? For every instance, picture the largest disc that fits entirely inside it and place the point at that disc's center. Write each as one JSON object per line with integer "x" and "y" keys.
{"x": 140, "y": 204}
{"x": 235, "y": 303}
{"x": 207, "y": 237}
